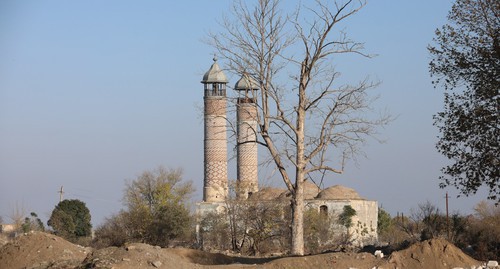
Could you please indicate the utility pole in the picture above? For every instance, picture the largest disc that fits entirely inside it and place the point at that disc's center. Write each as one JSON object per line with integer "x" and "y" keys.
{"x": 447, "y": 218}
{"x": 61, "y": 192}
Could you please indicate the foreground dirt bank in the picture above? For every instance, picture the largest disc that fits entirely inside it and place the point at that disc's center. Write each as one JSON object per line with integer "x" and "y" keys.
{"x": 41, "y": 250}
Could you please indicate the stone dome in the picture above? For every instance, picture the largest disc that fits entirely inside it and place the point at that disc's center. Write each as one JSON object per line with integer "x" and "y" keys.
{"x": 245, "y": 83}
{"x": 338, "y": 192}
{"x": 267, "y": 194}
{"x": 214, "y": 74}
{"x": 311, "y": 190}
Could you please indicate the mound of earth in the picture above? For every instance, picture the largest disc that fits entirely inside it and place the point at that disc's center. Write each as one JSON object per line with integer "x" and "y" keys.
{"x": 134, "y": 255}
{"x": 434, "y": 253}
{"x": 41, "y": 250}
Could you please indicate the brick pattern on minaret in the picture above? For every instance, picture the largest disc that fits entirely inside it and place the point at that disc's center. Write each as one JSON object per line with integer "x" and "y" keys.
{"x": 215, "y": 187}
{"x": 247, "y": 162}
{"x": 215, "y": 147}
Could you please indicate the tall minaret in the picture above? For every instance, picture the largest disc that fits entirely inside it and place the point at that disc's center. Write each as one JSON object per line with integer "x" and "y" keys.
{"x": 215, "y": 146}
{"x": 247, "y": 172}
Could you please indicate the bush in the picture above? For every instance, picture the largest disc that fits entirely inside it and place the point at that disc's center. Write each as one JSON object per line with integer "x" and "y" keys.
{"x": 157, "y": 212}
{"x": 71, "y": 219}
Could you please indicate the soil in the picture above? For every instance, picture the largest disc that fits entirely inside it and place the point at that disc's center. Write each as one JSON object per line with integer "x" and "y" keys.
{"x": 39, "y": 250}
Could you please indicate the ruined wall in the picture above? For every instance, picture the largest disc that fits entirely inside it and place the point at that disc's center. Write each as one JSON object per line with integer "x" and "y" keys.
{"x": 364, "y": 223}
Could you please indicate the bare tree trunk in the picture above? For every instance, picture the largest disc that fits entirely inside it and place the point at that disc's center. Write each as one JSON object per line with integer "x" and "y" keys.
{"x": 298, "y": 220}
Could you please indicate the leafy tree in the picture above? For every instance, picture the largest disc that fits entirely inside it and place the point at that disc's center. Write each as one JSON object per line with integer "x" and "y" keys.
{"x": 157, "y": 206}
{"x": 32, "y": 223}
{"x": 384, "y": 221}
{"x": 71, "y": 219}
{"x": 303, "y": 111}
{"x": 113, "y": 232}
{"x": 345, "y": 218}
{"x": 466, "y": 62}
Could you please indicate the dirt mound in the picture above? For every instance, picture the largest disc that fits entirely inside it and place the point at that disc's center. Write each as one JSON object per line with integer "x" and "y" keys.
{"x": 330, "y": 260}
{"x": 134, "y": 255}
{"x": 41, "y": 250}
{"x": 434, "y": 253}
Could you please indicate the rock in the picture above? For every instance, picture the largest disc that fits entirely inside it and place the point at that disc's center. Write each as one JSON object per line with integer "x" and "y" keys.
{"x": 156, "y": 264}
{"x": 126, "y": 259}
{"x": 379, "y": 254}
{"x": 492, "y": 264}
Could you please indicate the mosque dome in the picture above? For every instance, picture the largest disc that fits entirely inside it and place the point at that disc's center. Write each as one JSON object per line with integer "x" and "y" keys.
{"x": 311, "y": 190}
{"x": 338, "y": 192}
{"x": 214, "y": 74}
{"x": 268, "y": 194}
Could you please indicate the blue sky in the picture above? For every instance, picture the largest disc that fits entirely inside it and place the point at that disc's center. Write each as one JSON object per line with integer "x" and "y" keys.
{"x": 92, "y": 93}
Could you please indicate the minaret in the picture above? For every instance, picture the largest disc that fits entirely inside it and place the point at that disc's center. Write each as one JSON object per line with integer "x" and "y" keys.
{"x": 215, "y": 144}
{"x": 247, "y": 172}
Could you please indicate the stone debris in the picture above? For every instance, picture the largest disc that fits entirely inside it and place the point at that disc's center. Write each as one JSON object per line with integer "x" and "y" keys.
{"x": 492, "y": 264}
{"x": 379, "y": 254}
{"x": 156, "y": 264}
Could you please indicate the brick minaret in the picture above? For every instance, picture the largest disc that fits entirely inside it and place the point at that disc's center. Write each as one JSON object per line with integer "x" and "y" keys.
{"x": 215, "y": 146}
{"x": 247, "y": 138}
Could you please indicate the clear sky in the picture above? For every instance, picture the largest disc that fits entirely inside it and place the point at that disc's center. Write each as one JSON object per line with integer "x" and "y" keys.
{"x": 92, "y": 93}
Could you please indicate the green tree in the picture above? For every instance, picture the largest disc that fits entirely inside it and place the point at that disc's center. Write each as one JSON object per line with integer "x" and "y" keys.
{"x": 384, "y": 221}
{"x": 466, "y": 62}
{"x": 71, "y": 219}
{"x": 345, "y": 218}
{"x": 32, "y": 223}
{"x": 304, "y": 110}
{"x": 157, "y": 206}
{"x": 113, "y": 232}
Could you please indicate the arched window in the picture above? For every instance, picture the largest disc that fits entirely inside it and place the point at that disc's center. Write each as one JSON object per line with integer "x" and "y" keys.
{"x": 323, "y": 210}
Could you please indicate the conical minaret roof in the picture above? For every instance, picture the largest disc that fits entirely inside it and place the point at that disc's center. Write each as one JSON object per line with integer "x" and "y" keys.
{"x": 214, "y": 74}
{"x": 246, "y": 83}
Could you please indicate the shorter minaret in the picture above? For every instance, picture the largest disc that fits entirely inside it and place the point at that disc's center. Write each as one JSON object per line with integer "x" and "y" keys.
{"x": 247, "y": 160}
{"x": 215, "y": 144}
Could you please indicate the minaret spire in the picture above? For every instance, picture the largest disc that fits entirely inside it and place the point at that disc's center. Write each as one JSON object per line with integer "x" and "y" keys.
{"x": 215, "y": 187}
{"x": 247, "y": 161}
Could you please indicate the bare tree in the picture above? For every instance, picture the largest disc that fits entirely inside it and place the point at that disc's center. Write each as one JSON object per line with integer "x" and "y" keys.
{"x": 17, "y": 215}
{"x": 307, "y": 119}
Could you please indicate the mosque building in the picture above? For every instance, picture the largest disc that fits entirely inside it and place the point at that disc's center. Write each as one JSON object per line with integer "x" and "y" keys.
{"x": 330, "y": 200}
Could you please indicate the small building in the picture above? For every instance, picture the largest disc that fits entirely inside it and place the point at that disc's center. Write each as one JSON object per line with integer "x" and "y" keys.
{"x": 7, "y": 228}
{"x": 331, "y": 201}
